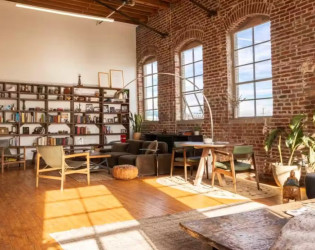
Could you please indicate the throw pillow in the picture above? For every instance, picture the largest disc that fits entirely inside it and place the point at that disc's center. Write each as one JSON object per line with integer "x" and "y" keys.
{"x": 151, "y": 149}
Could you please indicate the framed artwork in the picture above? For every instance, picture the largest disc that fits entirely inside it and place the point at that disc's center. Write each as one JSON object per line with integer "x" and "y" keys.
{"x": 64, "y": 118}
{"x": 112, "y": 110}
{"x": 103, "y": 80}
{"x": 110, "y": 120}
{"x": 117, "y": 79}
{"x": 26, "y": 130}
{"x": 105, "y": 109}
{"x": 124, "y": 108}
{"x": 116, "y": 119}
{"x": 89, "y": 108}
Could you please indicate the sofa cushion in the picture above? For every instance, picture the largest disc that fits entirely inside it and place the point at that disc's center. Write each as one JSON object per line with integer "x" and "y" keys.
{"x": 152, "y": 147}
{"x": 127, "y": 159}
{"x": 120, "y": 147}
{"x": 113, "y": 160}
{"x": 134, "y": 146}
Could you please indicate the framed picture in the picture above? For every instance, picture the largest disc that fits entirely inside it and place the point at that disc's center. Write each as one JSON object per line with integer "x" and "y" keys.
{"x": 124, "y": 118}
{"x": 123, "y": 131}
{"x": 112, "y": 110}
{"x": 116, "y": 120}
{"x": 64, "y": 118}
{"x": 124, "y": 108}
{"x": 105, "y": 109}
{"x": 110, "y": 120}
{"x": 89, "y": 108}
{"x": 116, "y": 78}
{"x": 103, "y": 80}
{"x": 26, "y": 130}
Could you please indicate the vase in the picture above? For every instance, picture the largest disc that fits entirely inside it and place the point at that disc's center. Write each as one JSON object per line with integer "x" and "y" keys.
{"x": 136, "y": 135}
{"x": 281, "y": 173}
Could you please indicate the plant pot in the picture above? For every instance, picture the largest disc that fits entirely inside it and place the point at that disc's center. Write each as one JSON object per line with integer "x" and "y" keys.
{"x": 281, "y": 173}
{"x": 196, "y": 132}
{"x": 136, "y": 136}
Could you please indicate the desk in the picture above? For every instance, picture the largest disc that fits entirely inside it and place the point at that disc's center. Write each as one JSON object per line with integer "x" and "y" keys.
{"x": 249, "y": 230}
{"x": 206, "y": 148}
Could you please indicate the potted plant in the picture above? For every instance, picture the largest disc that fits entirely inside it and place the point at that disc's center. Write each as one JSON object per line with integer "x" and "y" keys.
{"x": 293, "y": 141}
{"x": 197, "y": 130}
{"x": 136, "y": 121}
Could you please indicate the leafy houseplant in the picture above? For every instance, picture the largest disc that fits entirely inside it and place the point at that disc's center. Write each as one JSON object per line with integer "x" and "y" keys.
{"x": 309, "y": 142}
{"x": 294, "y": 139}
{"x": 136, "y": 121}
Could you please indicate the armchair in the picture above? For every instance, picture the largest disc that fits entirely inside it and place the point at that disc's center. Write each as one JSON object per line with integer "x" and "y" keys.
{"x": 7, "y": 158}
{"x": 56, "y": 160}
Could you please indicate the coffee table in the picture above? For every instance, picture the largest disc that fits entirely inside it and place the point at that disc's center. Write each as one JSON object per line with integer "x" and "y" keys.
{"x": 101, "y": 166}
{"x": 249, "y": 230}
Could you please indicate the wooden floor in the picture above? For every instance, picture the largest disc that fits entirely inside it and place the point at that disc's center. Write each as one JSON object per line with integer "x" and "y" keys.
{"x": 28, "y": 215}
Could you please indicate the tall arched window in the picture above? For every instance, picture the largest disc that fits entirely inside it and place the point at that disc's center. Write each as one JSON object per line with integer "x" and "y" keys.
{"x": 150, "y": 90}
{"x": 191, "y": 94}
{"x": 252, "y": 69}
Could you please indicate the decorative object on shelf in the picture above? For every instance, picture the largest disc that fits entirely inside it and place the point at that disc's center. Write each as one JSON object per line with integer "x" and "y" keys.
{"x": 110, "y": 120}
{"x": 40, "y": 89}
{"x": 105, "y": 109}
{"x": 42, "y": 97}
{"x": 4, "y": 131}
{"x": 124, "y": 118}
{"x": 125, "y": 172}
{"x": 60, "y": 97}
{"x": 124, "y": 108}
{"x": 81, "y": 99}
{"x": 67, "y": 97}
{"x": 67, "y": 91}
{"x": 27, "y": 88}
{"x": 136, "y": 121}
{"x": 56, "y": 91}
{"x": 26, "y": 130}
{"x": 103, "y": 80}
{"x": 116, "y": 120}
{"x": 112, "y": 110}
{"x": 78, "y": 108}
{"x": 197, "y": 130}
{"x": 79, "y": 81}
{"x": 11, "y": 89}
{"x": 50, "y": 91}
{"x": 39, "y": 130}
{"x": 89, "y": 108}
{"x": 291, "y": 188}
{"x": 97, "y": 94}
{"x": 121, "y": 95}
{"x": 116, "y": 78}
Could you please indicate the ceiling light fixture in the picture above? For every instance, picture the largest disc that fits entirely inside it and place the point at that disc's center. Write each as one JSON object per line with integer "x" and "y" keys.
{"x": 102, "y": 19}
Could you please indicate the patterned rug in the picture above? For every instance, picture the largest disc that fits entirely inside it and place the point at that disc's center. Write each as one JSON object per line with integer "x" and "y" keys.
{"x": 162, "y": 233}
{"x": 245, "y": 189}
{"x": 94, "y": 176}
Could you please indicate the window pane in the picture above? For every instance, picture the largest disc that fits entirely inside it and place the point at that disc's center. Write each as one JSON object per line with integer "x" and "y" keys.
{"x": 244, "y": 56}
{"x": 199, "y": 82}
{"x": 263, "y": 51}
{"x": 264, "y": 107}
{"x": 198, "y": 68}
{"x": 196, "y": 112}
{"x": 186, "y": 113}
{"x": 156, "y": 115}
{"x": 187, "y": 56}
{"x": 147, "y": 69}
{"x": 244, "y": 73}
{"x": 243, "y": 38}
{"x": 263, "y": 70}
{"x": 188, "y": 71}
{"x": 200, "y": 98}
{"x": 155, "y": 103}
{"x": 149, "y": 115}
{"x": 246, "y": 109}
{"x": 154, "y": 66}
{"x": 155, "y": 79}
{"x": 188, "y": 86}
{"x": 191, "y": 100}
{"x": 155, "y": 91}
{"x": 246, "y": 91}
{"x": 148, "y": 92}
{"x": 147, "y": 81}
{"x": 198, "y": 53}
{"x": 264, "y": 89}
{"x": 148, "y": 104}
{"x": 262, "y": 32}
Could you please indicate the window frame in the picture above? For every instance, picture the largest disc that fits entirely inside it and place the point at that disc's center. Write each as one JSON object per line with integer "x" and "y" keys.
{"x": 183, "y": 102}
{"x": 150, "y": 61}
{"x": 250, "y": 24}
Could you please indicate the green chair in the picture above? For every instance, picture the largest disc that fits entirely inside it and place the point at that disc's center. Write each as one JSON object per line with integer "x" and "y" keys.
{"x": 234, "y": 165}
{"x": 7, "y": 158}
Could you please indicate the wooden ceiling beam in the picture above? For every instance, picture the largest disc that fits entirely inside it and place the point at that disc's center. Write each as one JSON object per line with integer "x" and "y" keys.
{"x": 153, "y": 3}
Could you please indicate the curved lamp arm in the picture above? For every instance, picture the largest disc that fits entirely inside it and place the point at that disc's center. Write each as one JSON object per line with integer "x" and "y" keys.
{"x": 182, "y": 78}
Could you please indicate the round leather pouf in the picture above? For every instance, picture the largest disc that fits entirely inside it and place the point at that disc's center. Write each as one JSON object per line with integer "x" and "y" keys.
{"x": 310, "y": 185}
{"x": 125, "y": 172}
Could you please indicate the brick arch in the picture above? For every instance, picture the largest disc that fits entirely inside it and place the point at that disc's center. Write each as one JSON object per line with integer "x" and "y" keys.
{"x": 189, "y": 34}
{"x": 149, "y": 51}
{"x": 239, "y": 13}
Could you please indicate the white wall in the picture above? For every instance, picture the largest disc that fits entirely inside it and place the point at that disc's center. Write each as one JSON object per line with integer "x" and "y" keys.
{"x": 39, "y": 47}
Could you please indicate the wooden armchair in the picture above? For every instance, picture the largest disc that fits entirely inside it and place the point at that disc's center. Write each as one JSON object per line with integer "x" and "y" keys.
{"x": 234, "y": 165}
{"x": 56, "y": 160}
{"x": 7, "y": 158}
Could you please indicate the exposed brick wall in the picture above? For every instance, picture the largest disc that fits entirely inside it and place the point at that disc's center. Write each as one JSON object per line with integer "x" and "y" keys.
{"x": 293, "y": 42}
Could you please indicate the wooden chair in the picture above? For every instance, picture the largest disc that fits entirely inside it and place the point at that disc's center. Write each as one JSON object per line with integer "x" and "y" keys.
{"x": 56, "y": 160}
{"x": 183, "y": 160}
{"x": 233, "y": 165}
{"x": 7, "y": 158}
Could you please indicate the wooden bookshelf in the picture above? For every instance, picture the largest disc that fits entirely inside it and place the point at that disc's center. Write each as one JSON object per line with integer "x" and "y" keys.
{"x": 44, "y": 105}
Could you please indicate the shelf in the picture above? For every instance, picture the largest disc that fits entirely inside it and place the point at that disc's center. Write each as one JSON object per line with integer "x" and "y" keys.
{"x": 8, "y": 135}
{"x": 8, "y": 98}
{"x": 86, "y": 134}
{"x": 53, "y": 100}
{"x": 86, "y": 102}
{"x": 33, "y": 100}
{"x": 59, "y": 134}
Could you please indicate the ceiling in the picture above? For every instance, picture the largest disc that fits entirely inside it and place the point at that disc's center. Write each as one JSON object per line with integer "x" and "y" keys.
{"x": 140, "y": 11}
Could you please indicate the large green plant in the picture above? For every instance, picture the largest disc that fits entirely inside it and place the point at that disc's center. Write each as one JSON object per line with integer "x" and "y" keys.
{"x": 309, "y": 142}
{"x": 136, "y": 121}
{"x": 294, "y": 137}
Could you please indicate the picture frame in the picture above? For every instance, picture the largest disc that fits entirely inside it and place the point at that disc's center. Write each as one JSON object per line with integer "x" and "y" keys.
{"x": 26, "y": 130}
{"x": 124, "y": 108}
{"x": 112, "y": 110}
{"x": 64, "y": 118}
{"x": 89, "y": 108}
{"x": 110, "y": 120}
{"x": 123, "y": 131}
{"x": 116, "y": 120}
{"x": 124, "y": 118}
{"x": 103, "y": 80}
{"x": 116, "y": 78}
{"x": 105, "y": 109}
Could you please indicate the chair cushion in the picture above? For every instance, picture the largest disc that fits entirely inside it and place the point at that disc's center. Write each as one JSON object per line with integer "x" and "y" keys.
{"x": 152, "y": 147}
{"x": 238, "y": 166}
{"x": 189, "y": 159}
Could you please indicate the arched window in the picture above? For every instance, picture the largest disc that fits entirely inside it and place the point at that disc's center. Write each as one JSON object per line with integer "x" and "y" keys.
{"x": 191, "y": 94}
{"x": 150, "y": 90}
{"x": 252, "y": 68}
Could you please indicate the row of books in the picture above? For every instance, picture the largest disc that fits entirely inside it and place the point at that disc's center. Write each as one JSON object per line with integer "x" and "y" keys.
{"x": 81, "y": 130}
{"x": 82, "y": 119}
{"x": 14, "y": 141}
{"x": 51, "y": 141}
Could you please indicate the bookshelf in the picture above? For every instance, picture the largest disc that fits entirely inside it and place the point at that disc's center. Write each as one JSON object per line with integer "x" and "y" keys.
{"x": 72, "y": 116}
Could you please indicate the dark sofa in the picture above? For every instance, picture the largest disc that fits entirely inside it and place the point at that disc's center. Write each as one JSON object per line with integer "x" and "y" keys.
{"x": 134, "y": 152}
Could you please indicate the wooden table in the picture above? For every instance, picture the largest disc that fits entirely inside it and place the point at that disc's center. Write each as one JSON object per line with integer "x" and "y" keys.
{"x": 249, "y": 230}
{"x": 99, "y": 166}
{"x": 206, "y": 148}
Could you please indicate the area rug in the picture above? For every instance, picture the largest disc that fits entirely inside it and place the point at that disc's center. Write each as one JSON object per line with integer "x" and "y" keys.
{"x": 162, "y": 233}
{"x": 245, "y": 189}
{"x": 94, "y": 176}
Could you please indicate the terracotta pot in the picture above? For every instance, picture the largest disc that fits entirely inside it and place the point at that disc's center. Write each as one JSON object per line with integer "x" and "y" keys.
{"x": 281, "y": 173}
{"x": 136, "y": 135}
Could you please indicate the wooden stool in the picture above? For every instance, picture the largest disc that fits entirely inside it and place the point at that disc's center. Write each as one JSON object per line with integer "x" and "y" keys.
{"x": 125, "y": 172}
